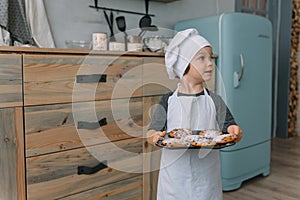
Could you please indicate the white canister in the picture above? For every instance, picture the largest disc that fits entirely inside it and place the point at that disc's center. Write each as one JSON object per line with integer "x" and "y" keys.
{"x": 100, "y": 41}
{"x": 116, "y": 46}
{"x": 135, "y": 46}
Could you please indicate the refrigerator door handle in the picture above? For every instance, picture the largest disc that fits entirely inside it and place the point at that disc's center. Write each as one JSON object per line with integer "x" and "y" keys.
{"x": 237, "y": 76}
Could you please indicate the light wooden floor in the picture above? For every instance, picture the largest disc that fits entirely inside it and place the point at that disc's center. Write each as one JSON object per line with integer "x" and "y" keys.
{"x": 283, "y": 183}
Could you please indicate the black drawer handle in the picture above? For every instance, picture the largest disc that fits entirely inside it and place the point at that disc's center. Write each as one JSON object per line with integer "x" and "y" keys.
{"x": 91, "y": 125}
{"x": 91, "y": 78}
{"x": 91, "y": 170}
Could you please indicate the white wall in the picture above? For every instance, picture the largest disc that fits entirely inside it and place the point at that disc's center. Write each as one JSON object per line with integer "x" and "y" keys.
{"x": 73, "y": 19}
{"x": 188, "y": 9}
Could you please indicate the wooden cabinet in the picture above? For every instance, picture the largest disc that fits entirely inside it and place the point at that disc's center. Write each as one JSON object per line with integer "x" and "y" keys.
{"x": 76, "y": 123}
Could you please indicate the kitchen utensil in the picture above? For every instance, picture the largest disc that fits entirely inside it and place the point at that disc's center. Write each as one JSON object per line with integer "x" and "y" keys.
{"x": 122, "y": 27}
{"x": 145, "y": 21}
{"x": 110, "y": 25}
{"x": 151, "y": 28}
{"x": 145, "y": 29}
{"x": 112, "y": 37}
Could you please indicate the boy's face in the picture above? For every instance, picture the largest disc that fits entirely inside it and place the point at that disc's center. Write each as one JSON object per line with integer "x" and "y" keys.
{"x": 202, "y": 64}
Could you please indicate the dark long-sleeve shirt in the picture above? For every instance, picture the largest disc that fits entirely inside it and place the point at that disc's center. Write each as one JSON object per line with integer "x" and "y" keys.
{"x": 223, "y": 114}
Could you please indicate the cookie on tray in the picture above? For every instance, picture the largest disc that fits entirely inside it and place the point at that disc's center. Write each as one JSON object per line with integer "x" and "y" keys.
{"x": 174, "y": 142}
{"x": 210, "y": 133}
{"x": 179, "y": 133}
{"x": 199, "y": 141}
{"x": 225, "y": 138}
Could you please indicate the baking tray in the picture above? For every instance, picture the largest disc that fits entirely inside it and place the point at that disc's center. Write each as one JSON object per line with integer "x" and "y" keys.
{"x": 194, "y": 132}
{"x": 218, "y": 146}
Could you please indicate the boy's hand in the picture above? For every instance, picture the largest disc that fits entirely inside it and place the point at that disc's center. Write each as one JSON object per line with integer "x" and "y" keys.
{"x": 153, "y": 136}
{"x": 234, "y": 129}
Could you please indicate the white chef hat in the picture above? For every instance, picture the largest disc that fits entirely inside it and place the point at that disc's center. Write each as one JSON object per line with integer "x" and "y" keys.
{"x": 182, "y": 48}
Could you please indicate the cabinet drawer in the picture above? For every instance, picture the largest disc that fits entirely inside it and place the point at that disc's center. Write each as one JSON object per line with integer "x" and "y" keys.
{"x": 60, "y": 127}
{"x": 52, "y": 79}
{"x": 58, "y": 175}
{"x": 128, "y": 189}
{"x": 10, "y": 80}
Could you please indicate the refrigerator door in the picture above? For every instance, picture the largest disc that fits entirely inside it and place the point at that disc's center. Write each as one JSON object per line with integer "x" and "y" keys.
{"x": 246, "y": 68}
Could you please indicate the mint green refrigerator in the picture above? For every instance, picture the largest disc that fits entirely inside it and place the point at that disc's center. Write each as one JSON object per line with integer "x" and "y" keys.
{"x": 243, "y": 43}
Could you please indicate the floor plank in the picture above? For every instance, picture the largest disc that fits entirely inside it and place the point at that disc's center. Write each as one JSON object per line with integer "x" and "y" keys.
{"x": 283, "y": 183}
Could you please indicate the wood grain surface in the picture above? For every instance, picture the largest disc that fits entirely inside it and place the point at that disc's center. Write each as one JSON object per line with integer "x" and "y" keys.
{"x": 55, "y": 175}
{"x": 284, "y": 179}
{"x": 151, "y": 158}
{"x": 55, "y": 126}
{"x": 155, "y": 77}
{"x": 12, "y": 174}
{"x": 65, "y": 51}
{"x": 10, "y": 80}
{"x": 128, "y": 189}
{"x": 52, "y": 78}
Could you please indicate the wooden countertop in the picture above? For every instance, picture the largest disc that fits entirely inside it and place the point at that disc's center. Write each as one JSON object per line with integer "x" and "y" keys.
{"x": 12, "y": 49}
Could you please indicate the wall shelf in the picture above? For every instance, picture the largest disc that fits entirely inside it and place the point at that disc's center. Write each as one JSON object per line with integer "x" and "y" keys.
{"x": 117, "y": 10}
{"x": 95, "y": 6}
{"x": 164, "y": 1}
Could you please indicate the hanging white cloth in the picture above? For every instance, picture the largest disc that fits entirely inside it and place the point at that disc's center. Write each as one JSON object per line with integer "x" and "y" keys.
{"x": 192, "y": 174}
{"x": 4, "y": 37}
{"x": 1, "y": 38}
{"x": 38, "y": 23}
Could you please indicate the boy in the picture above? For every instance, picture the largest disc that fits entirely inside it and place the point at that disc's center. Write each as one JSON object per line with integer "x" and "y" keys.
{"x": 192, "y": 173}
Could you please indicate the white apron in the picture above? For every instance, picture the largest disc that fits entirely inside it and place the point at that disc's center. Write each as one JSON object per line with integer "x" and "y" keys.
{"x": 194, "y": 173}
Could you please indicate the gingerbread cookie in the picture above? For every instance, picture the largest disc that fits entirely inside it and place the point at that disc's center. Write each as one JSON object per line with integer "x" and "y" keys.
{"x": 174, "y": 142}
{"x": 225, "y": 138}
{"x": 179, "y": 133}
{"x": 210, "y": 133}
